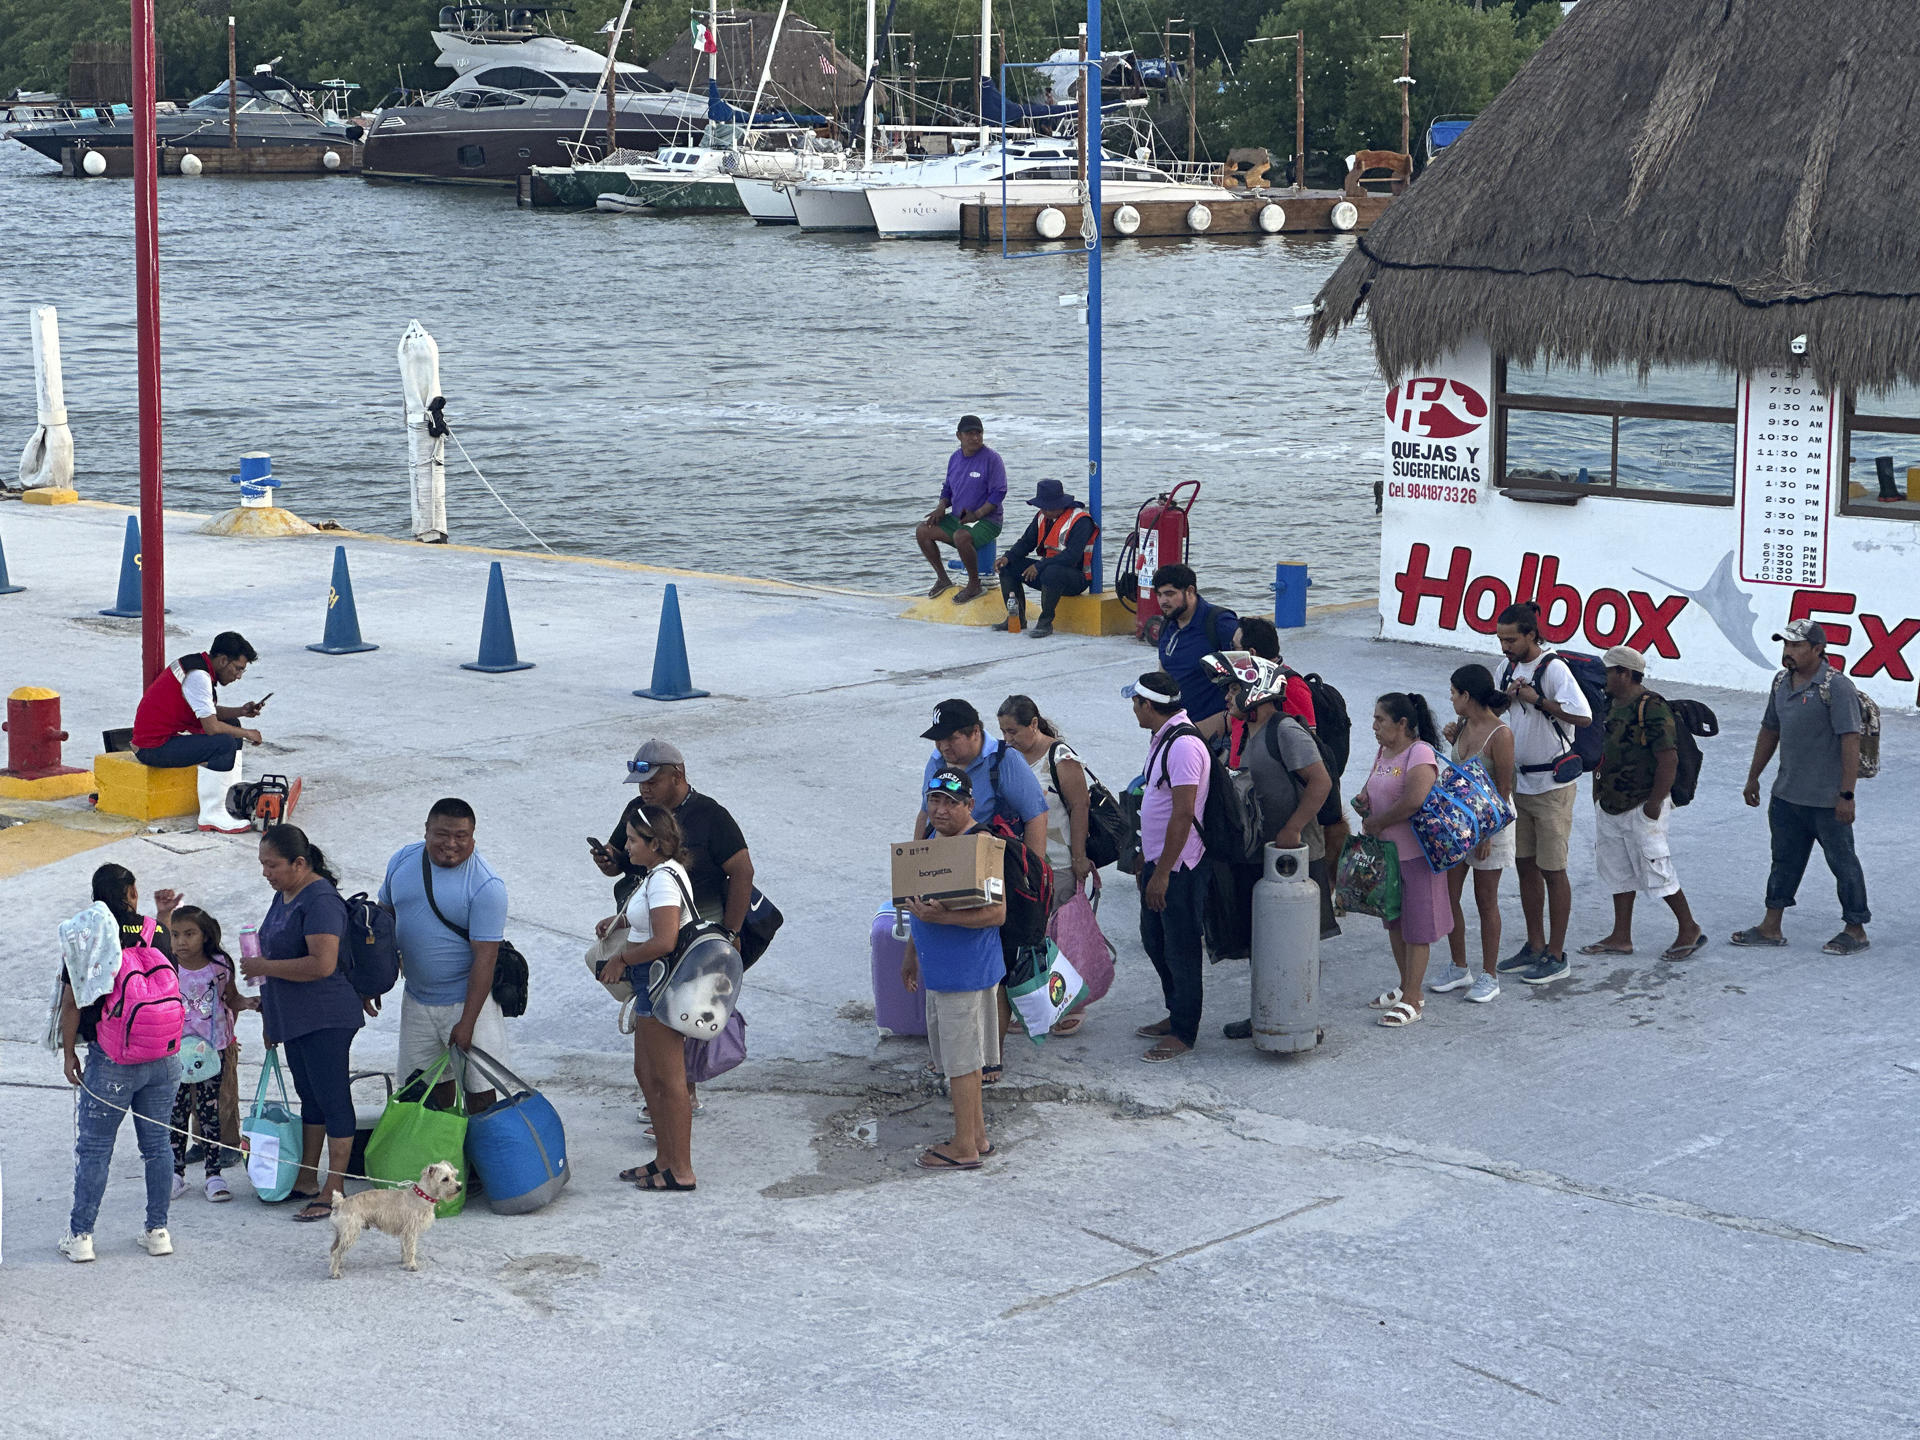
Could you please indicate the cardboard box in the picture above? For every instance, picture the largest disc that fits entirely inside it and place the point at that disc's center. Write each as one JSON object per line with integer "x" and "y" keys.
{"x": 963, "y": 870}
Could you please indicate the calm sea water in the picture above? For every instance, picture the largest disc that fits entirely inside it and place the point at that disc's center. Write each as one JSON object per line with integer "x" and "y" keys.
{"x": 694, "y": 392}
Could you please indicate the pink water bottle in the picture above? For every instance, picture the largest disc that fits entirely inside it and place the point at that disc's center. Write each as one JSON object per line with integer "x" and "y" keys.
{"x": 249, "y": 950}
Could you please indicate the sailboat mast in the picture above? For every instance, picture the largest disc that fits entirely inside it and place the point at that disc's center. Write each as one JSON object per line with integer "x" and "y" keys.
{"x": 986, "y": 60}
{"x": 873, "y": 61}
{"x": 713, "y": 39}
{"x": 765, "y": 70}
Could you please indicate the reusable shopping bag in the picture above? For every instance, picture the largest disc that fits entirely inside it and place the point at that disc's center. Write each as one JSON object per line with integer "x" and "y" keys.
{"x": 517, "y": 1144}
{"x": 1368, "y": 881}
{"x": 412, "y": 1135}
{"x": 1043, "y": 988}
{"x": 1075, "y": 930}
{"x": 270, "y": 1136}
{"x": 1463, "y": 808}
{"x": 606, "y": 948}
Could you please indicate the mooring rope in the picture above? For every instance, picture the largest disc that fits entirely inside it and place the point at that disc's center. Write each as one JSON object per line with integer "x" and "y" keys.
{"x": 491, "y": 491}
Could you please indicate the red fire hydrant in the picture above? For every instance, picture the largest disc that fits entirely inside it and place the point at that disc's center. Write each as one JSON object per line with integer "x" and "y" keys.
{"x": 34, "y": 735}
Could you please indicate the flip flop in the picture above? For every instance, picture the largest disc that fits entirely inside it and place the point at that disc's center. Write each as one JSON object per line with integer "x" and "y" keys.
{"x": 932, "y": 1159}
{"x": 990, "y": 1074}
{"x": 1844, "y": 944}
{"x": 1754, "y": 937}
{"x": 307, "y": 1217}
{"x": 1596, "y": 948}
{"x": 302, "y": 1195}
{"x": 1687, "y": 951}
{"x": 1165, "y": 1051}
{"x": 1068, "y": 1025}
{"x": 1154, "y": 1031}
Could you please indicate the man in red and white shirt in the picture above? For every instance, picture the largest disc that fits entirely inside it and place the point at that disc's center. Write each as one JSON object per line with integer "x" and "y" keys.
{"x": 180, "y": 723}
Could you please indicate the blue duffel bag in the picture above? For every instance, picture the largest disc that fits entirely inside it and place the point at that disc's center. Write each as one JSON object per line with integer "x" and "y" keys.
{"x": 517, "y": 1145}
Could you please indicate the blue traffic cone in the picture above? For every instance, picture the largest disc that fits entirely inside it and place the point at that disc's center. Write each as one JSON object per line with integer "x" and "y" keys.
{"x": 7, "y": 587}
{"x": 672, "y": 678}
{"x": 127, "y": 606}
{"x": 343, "y": 621}
{"x": 497, "y": 654}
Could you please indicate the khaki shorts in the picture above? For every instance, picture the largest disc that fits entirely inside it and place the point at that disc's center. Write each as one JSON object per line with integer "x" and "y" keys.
{"x": 1631, "y": 852}
{"x": 427, "y": 1030}
{"x": 1542, "y": 826}
{"x": 963, "y": 1030}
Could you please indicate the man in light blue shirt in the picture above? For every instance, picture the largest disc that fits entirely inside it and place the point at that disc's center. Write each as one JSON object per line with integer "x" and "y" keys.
{"x": 960, "y": 740}
{"x": 449, "y": 976}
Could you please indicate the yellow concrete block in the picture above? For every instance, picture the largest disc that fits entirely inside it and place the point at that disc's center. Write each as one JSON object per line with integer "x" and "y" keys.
{"x": 986, "y": 609}
{"x": 1075, "y": 615}
{"x": 47, "y": 787}
{"x": 142, "y": 792}
{"x": 1913, "y": 482}
{"x": 50, "y": 495}
{"x": 1092, "y": 615}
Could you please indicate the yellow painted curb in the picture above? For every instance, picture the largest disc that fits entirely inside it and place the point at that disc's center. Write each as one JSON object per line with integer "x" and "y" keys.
{"x": 42, "y": 842}
{"x": 50, "y": 495}
{"x": 982, "y": 610}
{"x": 47, "y": 787}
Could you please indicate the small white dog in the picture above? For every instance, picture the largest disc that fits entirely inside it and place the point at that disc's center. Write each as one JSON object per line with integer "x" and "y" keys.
{"x": 406, "y": 1212}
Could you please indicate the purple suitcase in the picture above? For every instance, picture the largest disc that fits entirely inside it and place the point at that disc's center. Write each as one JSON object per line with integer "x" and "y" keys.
{"x": 896, "y": 1010}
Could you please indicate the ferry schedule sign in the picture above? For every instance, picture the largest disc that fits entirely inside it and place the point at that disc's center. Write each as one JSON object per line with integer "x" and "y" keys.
{"x": 1784, "y": 478}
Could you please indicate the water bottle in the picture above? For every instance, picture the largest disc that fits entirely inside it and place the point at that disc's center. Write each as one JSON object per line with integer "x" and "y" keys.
{"x": 249, "y": 950}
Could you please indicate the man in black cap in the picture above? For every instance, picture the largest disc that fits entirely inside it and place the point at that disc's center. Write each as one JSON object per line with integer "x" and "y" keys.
{"x": 969, "y": 514}
{"x": 1063, "y": 533}
{"x": 993, "y": 773}
{"x": 1813, "y": 719}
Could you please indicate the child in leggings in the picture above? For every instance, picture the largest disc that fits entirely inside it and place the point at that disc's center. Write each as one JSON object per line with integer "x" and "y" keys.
{"x": 212, "y": 1002}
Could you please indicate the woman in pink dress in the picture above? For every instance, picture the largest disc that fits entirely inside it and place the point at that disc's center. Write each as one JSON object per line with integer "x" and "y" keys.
{"x": 1403, "y": 773}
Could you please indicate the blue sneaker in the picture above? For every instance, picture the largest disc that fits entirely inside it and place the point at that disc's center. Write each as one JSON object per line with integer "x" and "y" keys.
{"x": 1550, "y": 969}
{"x": 1525, "y": 958}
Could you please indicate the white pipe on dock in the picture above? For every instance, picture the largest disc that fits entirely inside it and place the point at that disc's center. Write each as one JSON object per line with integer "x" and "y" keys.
{"x": 426, "y": 453}
{"x": 48, "y": 459}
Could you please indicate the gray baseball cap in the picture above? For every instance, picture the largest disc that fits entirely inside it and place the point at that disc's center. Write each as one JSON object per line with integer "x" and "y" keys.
{"x": 648, "y": 759}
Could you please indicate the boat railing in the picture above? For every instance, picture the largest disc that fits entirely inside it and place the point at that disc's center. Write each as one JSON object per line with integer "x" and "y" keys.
{"x": 1191, "y": 172}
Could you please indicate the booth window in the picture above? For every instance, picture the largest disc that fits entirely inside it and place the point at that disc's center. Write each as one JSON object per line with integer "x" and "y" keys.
{"x": 1882, "y": 448}
{"x": 1669, "y": 436}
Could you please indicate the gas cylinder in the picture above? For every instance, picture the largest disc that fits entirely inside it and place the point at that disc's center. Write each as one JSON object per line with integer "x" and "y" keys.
{"x": 1160, "y": 538}
{"x": 1286, "y": 953}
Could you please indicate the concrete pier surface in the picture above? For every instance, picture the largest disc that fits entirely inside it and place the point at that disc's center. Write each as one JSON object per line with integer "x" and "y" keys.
{"x": 1656, "y": 1198}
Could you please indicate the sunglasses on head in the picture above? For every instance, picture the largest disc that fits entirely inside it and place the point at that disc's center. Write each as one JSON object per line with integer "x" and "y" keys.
{"x": 948, "y": 788}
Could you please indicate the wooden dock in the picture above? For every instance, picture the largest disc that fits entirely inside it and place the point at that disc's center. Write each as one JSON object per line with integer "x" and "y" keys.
{"x": 249, "y": 160}
{"x": 1300, "y": 212}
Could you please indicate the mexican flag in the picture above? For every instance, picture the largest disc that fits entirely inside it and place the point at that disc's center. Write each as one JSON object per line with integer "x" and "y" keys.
{"x": 704, "y": 40}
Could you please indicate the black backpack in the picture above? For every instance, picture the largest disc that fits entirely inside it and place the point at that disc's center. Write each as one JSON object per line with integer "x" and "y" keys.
{"x": 1029, "y": 879}
{"x": 1228, "y": 829}
{"x": 1332, "y": 725}
{"x": 369, "y": 953}
{"x": 1590, "y": 675}
{"x": 1690, "y": 718}
{"x": 1326, "y": 758}
{"x": 1107, "y": 835}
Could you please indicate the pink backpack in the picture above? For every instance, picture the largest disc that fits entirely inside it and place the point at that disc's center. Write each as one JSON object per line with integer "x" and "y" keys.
{"x": 143, "y": 1016}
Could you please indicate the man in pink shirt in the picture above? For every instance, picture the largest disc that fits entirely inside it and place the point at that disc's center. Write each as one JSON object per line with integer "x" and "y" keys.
{"x": 1173, "y": 881}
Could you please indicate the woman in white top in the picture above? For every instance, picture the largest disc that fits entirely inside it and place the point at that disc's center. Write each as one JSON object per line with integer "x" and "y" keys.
{"x": 656, "y": 910}
{"x": 1480, "y": 733}
{"x": 1063, "y": 780}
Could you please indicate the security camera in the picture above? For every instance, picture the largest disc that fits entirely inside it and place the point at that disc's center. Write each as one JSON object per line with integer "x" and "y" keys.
{"x": 1799, "y": 345}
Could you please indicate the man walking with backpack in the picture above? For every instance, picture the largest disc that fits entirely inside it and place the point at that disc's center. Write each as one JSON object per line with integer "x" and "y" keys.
{"x": 1173, "y": 879}
{"x": 1549, "y": 710}
{"x": 450, "y": 916}
{"x": 1632, "y": 805}
{"x": 1813, "y": 720}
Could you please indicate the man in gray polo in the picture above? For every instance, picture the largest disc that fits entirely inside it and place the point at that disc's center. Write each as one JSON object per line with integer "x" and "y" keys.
{"x": 1812, "y": 720}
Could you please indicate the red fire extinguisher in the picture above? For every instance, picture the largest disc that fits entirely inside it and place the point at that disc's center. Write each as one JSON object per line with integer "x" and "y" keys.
{"x": 1159, "y": 537}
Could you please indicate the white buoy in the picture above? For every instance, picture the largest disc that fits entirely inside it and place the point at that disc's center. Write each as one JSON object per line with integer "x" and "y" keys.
{"x": 1344, "y": 216}
{"x": 426, "y": 454}
{"x": 190, "y": 164}
{"x": 47, "y": 462}
{"x": 95, "y": 163}
{"x": 1272, "y": 219}
{"x": 331, "y": 159}
{"x": 1050, "y": 223}
{"x": 1199, "y": 217}
{"x": 1126, "y": 219}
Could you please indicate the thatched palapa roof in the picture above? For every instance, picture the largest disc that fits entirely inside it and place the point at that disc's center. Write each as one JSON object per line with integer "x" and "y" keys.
{"x": 1671, "y": 182}
{"x": 809, "y": 73}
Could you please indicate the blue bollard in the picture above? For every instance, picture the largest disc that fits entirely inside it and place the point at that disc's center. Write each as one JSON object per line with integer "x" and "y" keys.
{"x": 343, "y": 619}
{"x": 672, "y": 676}
{"x": 127, "y": 605}
{"x": 497, "y": 653}
{"x": 1290, "y": 584}
{"x": 255, "y": 479}
{"x": 984, "y": 554}
{"x": 7, "y": 587}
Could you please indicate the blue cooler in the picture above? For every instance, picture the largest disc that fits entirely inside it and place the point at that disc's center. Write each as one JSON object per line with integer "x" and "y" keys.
{"x": 517, "y": 1145}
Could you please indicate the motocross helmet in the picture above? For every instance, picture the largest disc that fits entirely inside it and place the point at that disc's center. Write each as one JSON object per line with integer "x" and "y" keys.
{"x": 1246, "y": 678}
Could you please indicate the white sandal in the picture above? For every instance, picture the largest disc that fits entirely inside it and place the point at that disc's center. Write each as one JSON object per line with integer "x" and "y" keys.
{"x": 1400, "y": 1015}
{"x": 1386, "y": 1000}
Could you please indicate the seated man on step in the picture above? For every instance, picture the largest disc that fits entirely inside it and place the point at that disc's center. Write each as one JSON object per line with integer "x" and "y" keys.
{"x": 1062, "y": 534}
{"x": 968, "y": 515}
{"x": 180, "y": 723}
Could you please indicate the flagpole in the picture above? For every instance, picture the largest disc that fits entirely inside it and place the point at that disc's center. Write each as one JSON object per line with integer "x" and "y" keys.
{"x": 146, "y": 264}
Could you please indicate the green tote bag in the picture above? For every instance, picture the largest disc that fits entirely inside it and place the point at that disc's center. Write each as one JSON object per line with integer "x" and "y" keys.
{"x": 413, "y": 1134}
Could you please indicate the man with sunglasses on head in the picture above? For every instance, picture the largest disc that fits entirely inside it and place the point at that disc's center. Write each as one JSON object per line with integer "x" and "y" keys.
{"x": 716, "y": 857}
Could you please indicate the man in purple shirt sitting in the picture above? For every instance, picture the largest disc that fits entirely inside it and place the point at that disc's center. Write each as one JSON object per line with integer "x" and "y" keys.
{"x": 968, "y": 515}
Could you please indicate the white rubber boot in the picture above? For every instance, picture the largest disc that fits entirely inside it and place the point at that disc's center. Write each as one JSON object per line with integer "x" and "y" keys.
{"x": 213, "y": 800}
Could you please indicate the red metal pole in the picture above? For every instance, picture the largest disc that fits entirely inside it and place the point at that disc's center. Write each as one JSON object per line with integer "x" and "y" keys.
{"x": 146, "y": 264}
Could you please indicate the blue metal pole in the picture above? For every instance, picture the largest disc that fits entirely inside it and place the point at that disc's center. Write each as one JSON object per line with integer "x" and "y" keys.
{"x": 1094, "y": 477}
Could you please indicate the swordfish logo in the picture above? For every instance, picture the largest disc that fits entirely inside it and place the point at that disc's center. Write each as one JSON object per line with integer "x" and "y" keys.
{"x": 1436, "y": 408}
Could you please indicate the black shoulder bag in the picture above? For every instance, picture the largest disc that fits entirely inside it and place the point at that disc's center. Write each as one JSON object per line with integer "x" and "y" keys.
{"x": 510, "y": 976}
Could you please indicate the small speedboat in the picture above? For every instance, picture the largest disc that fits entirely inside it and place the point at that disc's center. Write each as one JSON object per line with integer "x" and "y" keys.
{"x": 271, "y": 110}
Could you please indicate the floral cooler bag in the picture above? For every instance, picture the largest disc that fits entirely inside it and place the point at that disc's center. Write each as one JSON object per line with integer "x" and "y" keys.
{"x": 1463, "y": 808}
